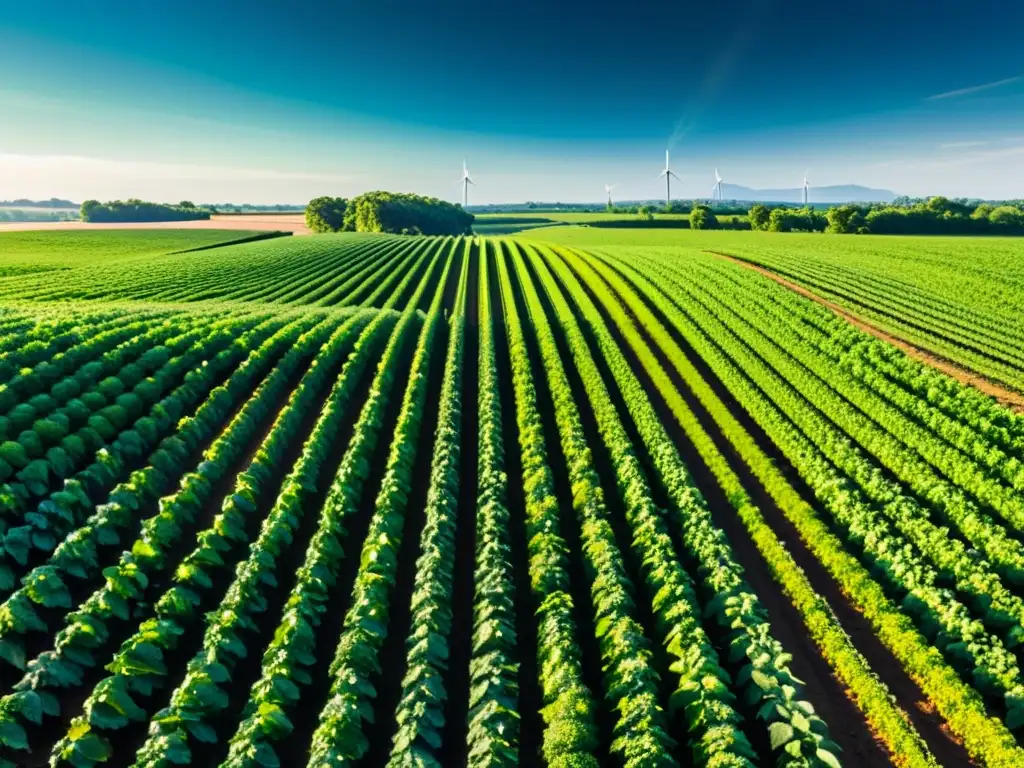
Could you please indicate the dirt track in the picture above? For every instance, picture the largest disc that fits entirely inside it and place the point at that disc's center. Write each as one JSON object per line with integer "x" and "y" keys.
{"x": 1007, "y": 397}
{"x": 294, "y": 223}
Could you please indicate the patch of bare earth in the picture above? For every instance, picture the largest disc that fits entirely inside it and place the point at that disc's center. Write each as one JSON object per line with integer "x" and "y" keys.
{"x": 1007, "y": 397}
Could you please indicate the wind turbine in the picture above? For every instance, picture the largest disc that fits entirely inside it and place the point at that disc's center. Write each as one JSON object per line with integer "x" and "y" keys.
{"x": 608, "y": 191}
{"x": 807, "y": 188}
{"x": 465, "y": 181}
{"x": 668, "y": 174}
{"x": 718, "y": 184}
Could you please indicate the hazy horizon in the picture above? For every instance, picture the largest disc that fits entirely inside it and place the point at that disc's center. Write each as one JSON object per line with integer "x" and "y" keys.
{"x": 546, "y": 103}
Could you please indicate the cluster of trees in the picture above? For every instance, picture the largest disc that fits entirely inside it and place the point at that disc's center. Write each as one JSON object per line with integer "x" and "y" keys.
{"x": 806, "y": 219}
{"x": 35, "y": 214}
{"x": 140, "y": 210}
{"x": 702, "y": 217}
{"x": 326, "y": 214}
{"x": 53, "y": 202}
{"x": 933, "y": 216}
{"x": 394, "y": 212}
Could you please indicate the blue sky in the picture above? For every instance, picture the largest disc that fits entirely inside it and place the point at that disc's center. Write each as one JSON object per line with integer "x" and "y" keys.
{"x": 236, "y": 101}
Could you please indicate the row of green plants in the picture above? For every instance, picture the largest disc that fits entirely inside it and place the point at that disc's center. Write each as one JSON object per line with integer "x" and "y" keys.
{"x": 570, "y": 735}
{"x": 78, "y": 556}
{"x": 177, "y": 729}
{"x": 768, "y": 685}
{"x": 971, "y": 424}
{"x": 631, "y": 682}
{"x": 965, "y": 417}
{"x": 948, "y": 335}
{"x": 702, "y": 701}
{"x": 905, "y": 745}
{"x": 493, "y": 719}
{"x": 132, "y": 431}
{"x": 91, "y": 629}
{"x": 195, "y": 701}
{"x": 43, "y": 421}
{"x": 985, "y": 335}
{"x": 986, "y": 738}
{"x": 420, "y": 714}
{"x": 886, "y": 435}
{"x": 340, "y": 735}
{"x": 67, "y": 373}
{"x": 895, "y": 533}
{"x": 47, "y": 338}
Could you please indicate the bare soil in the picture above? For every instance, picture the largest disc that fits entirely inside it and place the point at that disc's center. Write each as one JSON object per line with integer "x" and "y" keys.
{"x": 1007, "y": 397}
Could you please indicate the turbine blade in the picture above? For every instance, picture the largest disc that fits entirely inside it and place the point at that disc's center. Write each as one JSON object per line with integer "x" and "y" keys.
{"x": 673, "y": 175}
{"x": 471, "y": 181}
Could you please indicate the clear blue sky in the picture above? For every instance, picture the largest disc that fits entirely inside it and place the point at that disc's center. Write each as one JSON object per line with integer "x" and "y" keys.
{"x": 273, "y": 102}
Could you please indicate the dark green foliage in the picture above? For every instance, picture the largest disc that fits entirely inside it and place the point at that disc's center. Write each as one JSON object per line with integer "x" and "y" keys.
{"x": 758, "y": 216}
{"x": 405, "y": 214}
{"x": 796, "y": 220}
{"x": 138, "y": 210}
{"x": 844, "y": 219}
{"x": 701, "y": 217}
{"x": 934, "y": 216}
{"x": 326, "y": 214}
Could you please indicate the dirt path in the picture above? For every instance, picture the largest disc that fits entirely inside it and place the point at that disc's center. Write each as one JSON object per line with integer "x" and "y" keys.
{"x": 1007, "y": 397}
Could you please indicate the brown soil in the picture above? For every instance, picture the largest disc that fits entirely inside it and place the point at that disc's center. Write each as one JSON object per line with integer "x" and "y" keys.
{"x": 1007, "y": 397}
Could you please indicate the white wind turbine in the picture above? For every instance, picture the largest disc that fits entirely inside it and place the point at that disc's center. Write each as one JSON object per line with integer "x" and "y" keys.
{"x": 669, "y": 175}
{"x": 807, "y": 188}
{"x": 718, "y": 185}
{"x": 608, "y": 191}
{"x": 465, "y": 181}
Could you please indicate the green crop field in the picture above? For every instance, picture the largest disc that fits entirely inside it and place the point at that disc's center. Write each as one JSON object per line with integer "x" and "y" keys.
{"x": 25, "y": 252}
{"x": 580, "y": 497}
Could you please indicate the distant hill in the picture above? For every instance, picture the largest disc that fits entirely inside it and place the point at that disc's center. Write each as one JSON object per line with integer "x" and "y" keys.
{"x": 841, "y": 193}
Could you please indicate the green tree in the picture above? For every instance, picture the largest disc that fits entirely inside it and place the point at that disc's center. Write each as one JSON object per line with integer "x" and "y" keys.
{"x": 778, "y": 221}
{"x": 187, "y": 204}
{"x": 844, "y": 219}
{"x": 645, "y": 212}
{"x": 1007, "y": 217}
{"x": 326, "y": 214}
{"x": 759, "y": 215}
{"x": 701, "y": 217}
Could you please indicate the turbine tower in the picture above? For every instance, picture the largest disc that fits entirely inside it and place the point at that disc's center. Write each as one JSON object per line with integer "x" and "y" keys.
{"x": 669, "y": 175}
{"x": 718, "y": 185}
{"x": 807, "y": 188}
{"x": 608, "y": 191}
{"x": 465, "y": 181}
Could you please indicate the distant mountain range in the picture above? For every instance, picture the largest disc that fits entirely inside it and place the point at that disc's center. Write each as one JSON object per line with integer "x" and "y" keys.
{"x": 840, "y": 193}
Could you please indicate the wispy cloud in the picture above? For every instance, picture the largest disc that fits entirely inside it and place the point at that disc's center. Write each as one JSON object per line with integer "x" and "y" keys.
{"x": 975, "y": 88}
{"x": 962, "y": 144}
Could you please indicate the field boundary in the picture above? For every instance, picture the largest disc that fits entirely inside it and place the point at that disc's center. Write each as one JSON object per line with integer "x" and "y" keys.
{"x": 1005, "y": 396}
{"x": 255, "y": 237}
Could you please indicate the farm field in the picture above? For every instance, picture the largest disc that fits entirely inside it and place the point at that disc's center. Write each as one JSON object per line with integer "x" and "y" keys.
{"x": 582, "y": 497}
{"x": 961, "y": 299}
{"x": 294, "y": 223}
{"x": 44, "y": 251}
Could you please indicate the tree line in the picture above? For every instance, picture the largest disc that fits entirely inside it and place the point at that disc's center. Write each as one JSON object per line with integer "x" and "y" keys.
{"x": 933, "y": 216}
{"x": 394, "y": 212}
{"x": 133, "y": 210}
